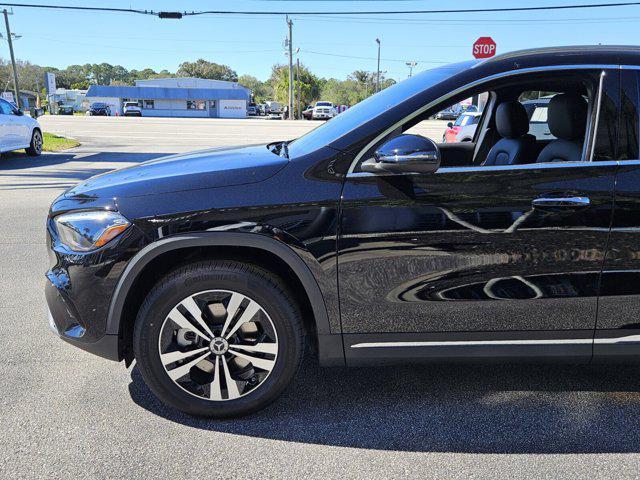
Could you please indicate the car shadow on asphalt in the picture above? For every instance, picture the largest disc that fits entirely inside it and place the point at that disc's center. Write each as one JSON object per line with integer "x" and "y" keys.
{"x": 50, "y": 170}
{"x": 444, "y": 408}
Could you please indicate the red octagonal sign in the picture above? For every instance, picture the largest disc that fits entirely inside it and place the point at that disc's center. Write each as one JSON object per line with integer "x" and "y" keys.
{"x": 484, "y": 47}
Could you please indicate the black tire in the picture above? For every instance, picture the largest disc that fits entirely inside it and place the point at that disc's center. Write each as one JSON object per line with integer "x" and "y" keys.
{"x": 264, "y": 288}
{"x": 35, "y": 147}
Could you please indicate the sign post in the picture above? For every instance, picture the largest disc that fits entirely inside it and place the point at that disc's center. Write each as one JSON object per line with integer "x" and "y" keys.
{"x": 484, "y": 47}
{"x": 50, "y": 84}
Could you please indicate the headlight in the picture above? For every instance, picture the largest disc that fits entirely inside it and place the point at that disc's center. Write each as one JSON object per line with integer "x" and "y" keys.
{"x": 86, "y": 231}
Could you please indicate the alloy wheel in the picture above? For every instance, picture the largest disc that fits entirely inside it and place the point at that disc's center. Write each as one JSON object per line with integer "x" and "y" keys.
{"x": 218, "y": 345}
{"x": 37, "y": 141}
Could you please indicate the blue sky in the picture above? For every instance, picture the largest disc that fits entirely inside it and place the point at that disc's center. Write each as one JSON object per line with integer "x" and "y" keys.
{"x": 251, "y": 44}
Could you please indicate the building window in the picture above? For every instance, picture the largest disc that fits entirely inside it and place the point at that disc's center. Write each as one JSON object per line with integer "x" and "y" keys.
{"x": 196, "y": 105}
{"x": 148, "y": 104}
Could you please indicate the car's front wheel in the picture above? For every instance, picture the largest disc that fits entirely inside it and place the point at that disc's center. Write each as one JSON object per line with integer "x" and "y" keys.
{"x": 218, "y": 338}
{"x": 35, "y": 147}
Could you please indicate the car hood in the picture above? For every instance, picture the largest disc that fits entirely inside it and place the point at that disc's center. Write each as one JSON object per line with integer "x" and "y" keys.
{"x": 220, "y": 167}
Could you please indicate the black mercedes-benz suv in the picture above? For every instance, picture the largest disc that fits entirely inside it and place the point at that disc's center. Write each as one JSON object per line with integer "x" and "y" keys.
{"x": 365, "y": 241}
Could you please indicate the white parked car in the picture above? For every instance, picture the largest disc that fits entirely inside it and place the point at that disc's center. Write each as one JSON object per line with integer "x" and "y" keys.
{"x": 18, "y": 130}
{"x": 132, "y": 109}
{"x": 463, "y": 129}
{"x": 323, "y": 111}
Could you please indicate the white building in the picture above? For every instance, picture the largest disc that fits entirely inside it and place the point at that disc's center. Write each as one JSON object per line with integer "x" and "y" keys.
{"x": 72, "y": 97}
{"x": 177, "y": 97}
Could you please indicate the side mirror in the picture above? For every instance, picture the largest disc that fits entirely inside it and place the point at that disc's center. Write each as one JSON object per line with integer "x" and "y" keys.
{"x": 450, "y": 124}
{"x": 405, "y": 154}
{"x": 18, "y": 112}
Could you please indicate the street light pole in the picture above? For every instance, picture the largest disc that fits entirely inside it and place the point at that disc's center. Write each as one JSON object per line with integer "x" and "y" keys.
{"x": 378, "y": 72}
{"x": 13, "y": 60}
{"x": 290, "y": 23}
{"x": 411, "y": 65}
{"x": 299, "y": 85}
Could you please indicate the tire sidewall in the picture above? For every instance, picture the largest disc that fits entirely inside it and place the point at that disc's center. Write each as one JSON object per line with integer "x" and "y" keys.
{"x": 32, "y": 146}
{"x": 186, "y": 282}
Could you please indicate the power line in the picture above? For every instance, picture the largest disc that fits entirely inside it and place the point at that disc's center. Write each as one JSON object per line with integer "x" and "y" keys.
{"x": 81, "y": 8}
{"x": 411, "y": 12}
{"x": 370, "y": 58}
{"x": 372, "y": 12}
{"x": 459, "y": 21}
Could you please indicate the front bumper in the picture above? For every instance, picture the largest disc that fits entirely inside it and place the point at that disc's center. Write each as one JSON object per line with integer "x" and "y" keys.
{"x": 63, "y": 321}
{"x": 79, "y": 289}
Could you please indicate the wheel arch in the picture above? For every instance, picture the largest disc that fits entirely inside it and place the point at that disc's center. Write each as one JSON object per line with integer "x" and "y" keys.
{"x": 330, "y": 348}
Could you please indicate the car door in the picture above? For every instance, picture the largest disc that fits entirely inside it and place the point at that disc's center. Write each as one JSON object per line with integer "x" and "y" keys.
{"x": 478, "y": 261}
{"x": 617, "y": 334}
{"x": 22, "y": 124}
{"x": 7, "y": 127}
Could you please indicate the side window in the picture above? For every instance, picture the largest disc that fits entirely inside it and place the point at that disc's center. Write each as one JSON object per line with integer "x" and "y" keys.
{"x": 628, "y": 138}
{"x": 5, "y": 108}
{"x": 455, "y": 123}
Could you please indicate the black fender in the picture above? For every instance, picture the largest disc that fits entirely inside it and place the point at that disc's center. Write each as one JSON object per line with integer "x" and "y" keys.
{"x": 331, "y": 351}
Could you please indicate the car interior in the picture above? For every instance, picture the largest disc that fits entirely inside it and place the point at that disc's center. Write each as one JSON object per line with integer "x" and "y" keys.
{"x": 504, "y": 134}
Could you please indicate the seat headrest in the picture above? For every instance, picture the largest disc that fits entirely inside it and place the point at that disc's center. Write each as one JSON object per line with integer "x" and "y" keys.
{"x": 567, "y": 116}
{"x": 511, "y": 120}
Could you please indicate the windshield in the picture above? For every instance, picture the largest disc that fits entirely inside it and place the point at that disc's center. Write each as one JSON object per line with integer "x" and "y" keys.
{"x": 371, "y": 107}
{"x": 324, "y": 104}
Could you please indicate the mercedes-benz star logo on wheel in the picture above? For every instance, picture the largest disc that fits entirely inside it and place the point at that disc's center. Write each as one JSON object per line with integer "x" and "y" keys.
{"x": 219, "y": 346}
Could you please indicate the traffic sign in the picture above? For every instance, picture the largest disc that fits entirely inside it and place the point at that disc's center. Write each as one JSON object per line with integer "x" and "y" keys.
{"x": 484, "y": 47}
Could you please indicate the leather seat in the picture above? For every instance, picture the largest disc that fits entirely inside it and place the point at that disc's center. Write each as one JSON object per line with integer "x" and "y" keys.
{"x": 567, "y": 120}
{"x": 515, "y": 146}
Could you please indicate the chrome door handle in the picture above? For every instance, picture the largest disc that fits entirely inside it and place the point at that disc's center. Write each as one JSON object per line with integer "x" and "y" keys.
{"x": 561, "y": 202}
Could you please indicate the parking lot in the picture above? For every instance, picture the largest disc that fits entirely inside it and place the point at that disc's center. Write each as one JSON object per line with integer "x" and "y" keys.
{"x": 69, "y": 414}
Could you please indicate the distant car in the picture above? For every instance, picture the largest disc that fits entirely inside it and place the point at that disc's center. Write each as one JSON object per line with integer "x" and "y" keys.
{"x": 463, "y": 129}
{"x": 99, "y": 108}
{"x": 273, "y": 107}
{"x": 307, "y": 113}
{"x": 447, "y": 114}
{"x": 19, "y": 130}
{"x": 252, "y": 110}
{"x": 65, "y": 110}
{"x": 262, "y": 109}
{"x": 323, "y": 111}
{"x": 132, "y": 109}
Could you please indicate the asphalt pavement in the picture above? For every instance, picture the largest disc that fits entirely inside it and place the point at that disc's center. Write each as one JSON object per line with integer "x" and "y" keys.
{"x": 67, "y": 414}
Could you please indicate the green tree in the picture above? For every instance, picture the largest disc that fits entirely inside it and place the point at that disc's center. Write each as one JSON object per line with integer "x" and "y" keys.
{"x": 261, "y": 91}
{"x": 358, "y": 86}
{"x": 83, "y": 85}
{"x": 204, "y": 69}
{"x": 308, "y": 85}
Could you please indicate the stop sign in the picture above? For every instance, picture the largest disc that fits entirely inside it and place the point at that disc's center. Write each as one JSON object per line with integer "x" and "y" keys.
{"x": 484, "y": 47}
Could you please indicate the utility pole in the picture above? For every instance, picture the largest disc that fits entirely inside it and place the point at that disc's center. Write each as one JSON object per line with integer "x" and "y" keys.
{"x": 378, "y": 72}
{"x": 16, "y": 89}
{"x": 290, "y": 23}
{"x": 299, "y": 86}
{"x": 411, "y": 65}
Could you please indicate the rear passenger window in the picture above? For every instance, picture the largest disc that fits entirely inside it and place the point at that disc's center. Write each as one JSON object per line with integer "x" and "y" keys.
{"x": 628, "y": 142}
